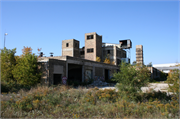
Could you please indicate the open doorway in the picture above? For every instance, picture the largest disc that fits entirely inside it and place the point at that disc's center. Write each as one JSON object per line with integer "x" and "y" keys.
{"x": 106, "y": 74}
{"x": 75, "y": 73}
{"x": 57, "y": 79}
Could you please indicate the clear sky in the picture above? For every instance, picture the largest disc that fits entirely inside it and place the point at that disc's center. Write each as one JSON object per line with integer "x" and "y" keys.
{"x": 44, "y": 24}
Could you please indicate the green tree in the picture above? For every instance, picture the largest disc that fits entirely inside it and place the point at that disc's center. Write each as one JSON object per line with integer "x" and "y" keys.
{"x": 173, "y": 81}
{"x": 26, "y": 70}
{"x": 130, "y": 80}
{"x": 7, "y": 64}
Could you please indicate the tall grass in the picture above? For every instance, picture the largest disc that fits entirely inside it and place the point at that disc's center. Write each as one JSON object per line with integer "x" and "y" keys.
{"x": 66, "y": 102}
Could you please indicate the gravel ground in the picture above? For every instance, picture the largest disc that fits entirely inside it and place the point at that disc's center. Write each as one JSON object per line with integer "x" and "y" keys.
{"x": 152, "y": 86}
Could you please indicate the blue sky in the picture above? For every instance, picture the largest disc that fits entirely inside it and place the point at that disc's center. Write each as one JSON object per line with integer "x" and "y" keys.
{"x": 44, "y": 24}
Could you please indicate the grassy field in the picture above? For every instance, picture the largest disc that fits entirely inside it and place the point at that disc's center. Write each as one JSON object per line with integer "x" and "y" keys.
{"x": 67, "y": 102}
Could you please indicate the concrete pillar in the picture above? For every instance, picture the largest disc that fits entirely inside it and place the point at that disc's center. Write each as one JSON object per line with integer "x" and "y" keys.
{"x": 67, "y": 69}
{"x": 103, "y": 73}
{"x": 93, "y": 73}
{"x": 82, "y": 73}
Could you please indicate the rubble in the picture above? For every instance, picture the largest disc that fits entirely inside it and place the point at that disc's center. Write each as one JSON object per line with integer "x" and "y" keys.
{"x": 100, "y": 83}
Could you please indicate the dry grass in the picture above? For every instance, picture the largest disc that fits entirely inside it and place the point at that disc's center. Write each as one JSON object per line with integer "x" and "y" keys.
{"x": 67, "y": 102}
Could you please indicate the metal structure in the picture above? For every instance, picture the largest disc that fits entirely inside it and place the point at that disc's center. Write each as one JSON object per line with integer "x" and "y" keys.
{"x": 126, "y": 45}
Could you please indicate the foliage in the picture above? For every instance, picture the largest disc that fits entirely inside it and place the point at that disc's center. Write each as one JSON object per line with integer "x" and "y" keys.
{"x": 113, "y": 62}
{"x": 26, "y": 70}
{"x": 134, "y": 63}
{"x": 130, "y": 80}
{"x": 107, "y": 59}
{"x": 149, "y": 65}
{"x": 64, "y": 102}
{"x": 173, "y": 81}
{"x": 7, "y": 64}
{"x": 26, "y": 50}
{"x": 98, "y": 59}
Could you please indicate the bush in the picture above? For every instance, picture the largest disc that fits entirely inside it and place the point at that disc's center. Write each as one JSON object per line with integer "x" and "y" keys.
{"x": 7, "y": 64}
{"x": 173, "y": 81}
{"x": 26, "y": 70}
{"x": 130, "y": 80}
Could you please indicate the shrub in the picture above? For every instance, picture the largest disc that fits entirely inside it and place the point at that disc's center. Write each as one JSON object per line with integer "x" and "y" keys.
{"x": 173, "y": 81}
{"x": 26, "y": 70}
{"x": 98, "y": 59}
{"x": 7, "y": 64}
{"x": 130, "y": 80}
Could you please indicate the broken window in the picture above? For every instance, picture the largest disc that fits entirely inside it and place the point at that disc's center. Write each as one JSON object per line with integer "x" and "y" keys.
{"x": 81, "y": 52}
{"x": 67, "y": 44}
{"x": 90, "y": 50}
{"x": 108, "y": 51}
{"x": 90, "y": 37}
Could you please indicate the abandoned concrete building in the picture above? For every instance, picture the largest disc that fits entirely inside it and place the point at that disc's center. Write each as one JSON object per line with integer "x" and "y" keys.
{"x": 80, "y": 64}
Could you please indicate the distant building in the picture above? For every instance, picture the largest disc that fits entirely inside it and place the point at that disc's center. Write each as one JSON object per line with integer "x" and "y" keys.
{"x": 139, "y": 54}
{"x": 167, "y": 67}
{"x": 79, "y": 64}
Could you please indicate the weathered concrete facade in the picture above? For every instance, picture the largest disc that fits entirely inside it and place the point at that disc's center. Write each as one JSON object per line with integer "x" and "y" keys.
{"x": 70, "y": 48}
{"x": 115, "y": 54}
{"x": 79, "y": 64}
{"x": 139, "y": 54}
{"x": 93, "y": 46}
{"x": 74, "y": 69}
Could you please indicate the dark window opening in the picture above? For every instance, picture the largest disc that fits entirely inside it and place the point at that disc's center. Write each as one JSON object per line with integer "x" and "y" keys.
{"x": 76, "y": 45}
{"x": 90, "y": 37}
{"x": 108, "y": 51}
{"x": 67, "y": 44}
{"x": 90, "y": 50}
{"x": 81, "y": 52}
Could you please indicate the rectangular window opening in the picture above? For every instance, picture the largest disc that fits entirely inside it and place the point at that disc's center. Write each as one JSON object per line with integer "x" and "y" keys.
{"x": 67, "y": 44}
{"x": 90, "y": 37}
{"x": 90, "y": 50}
{"x": 108, "y": 51}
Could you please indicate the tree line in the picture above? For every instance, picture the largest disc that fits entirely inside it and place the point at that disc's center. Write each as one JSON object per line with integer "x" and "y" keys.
{"x": 19, "y": 70}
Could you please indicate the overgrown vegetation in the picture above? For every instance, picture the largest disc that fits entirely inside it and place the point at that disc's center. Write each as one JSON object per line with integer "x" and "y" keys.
{"x": 130, "y": 80}
{"x": 66, "y": 102}
{"x": 18, "y": 71}
{"x": 173, "y": 81}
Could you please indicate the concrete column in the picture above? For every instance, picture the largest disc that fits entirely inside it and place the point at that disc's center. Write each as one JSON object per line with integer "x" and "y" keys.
{"x": 93, "y": 73}
{"x": 66, "y": 69}
{"x": 103, "y": 73}
{"x": 82, "y": 73}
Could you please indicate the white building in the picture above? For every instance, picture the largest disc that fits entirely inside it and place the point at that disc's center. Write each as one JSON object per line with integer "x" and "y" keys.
{"x": 167, "y": 67}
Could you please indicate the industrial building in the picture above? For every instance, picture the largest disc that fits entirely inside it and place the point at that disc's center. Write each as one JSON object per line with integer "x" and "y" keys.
{"x": 79, "y": 64}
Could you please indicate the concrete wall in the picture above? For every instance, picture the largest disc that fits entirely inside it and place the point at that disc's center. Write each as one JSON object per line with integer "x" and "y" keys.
{"x": 72, "y": 49}
{"x": 115, "y": 53}
{"x": 55, "y": 67}
{"x": 43, "y": 67}
{"x": 96, "y": 44}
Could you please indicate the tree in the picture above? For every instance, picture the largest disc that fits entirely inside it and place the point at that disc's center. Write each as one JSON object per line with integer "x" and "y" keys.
{"x": 7, "y": 64}
{"x": 130, "y": 80}
{"x": 173, "y": 81}
{"x": 98, "y": 59}
{"x": 26, "y": 50}
{"x": 26, "y": 70}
